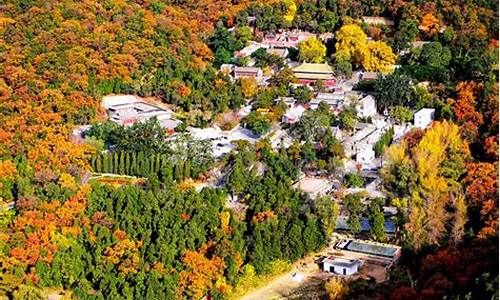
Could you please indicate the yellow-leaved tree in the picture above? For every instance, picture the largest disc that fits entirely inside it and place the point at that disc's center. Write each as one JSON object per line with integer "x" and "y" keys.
{"x": 291, "y": 9}
{"x": 249, "y": 86}
{"x": 336, "y": 288}
{"x": 352, "y": 46}
{"x": 427, "y": 174}
{"x": 378, "y": 57}
{"x": 312, "y": 50}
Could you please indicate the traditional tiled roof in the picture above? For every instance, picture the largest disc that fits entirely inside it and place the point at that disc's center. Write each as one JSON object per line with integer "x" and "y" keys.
{"x": 313, "y": 71}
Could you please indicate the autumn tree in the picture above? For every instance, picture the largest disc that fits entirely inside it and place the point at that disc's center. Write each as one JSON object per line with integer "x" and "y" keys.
{"x": 350, "y": 45}
{"x": 201, "y": 271}
{"x": 249, "y": 86}
{"x": 465, "y": 110}
{"x": 437, "y": 163}
{"x": 429, "y": 24}
{"x": 482, "y": 196}
{"x": 378, "y": 57}
{"x": 336, "y": 288}
{"x": 312, "y": 50}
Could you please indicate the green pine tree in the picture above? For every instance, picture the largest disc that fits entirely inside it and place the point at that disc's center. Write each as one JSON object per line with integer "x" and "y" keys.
{"x": 121, "y": 165}
{"x": 98, "y": 163}
{"x": 127, "y": 163}
{"x": 115, "y": 162}
{"x": 106, "y": 163}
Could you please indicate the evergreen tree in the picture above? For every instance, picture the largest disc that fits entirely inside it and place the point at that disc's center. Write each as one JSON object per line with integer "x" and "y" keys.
{"x": 152, "y": 161}
{"x": 178, "y": 170}
{"x": 295, "y": 242}
{"x": 121, "y": 165}
{"x": 115, "y": 163}
{"x": 353, "y": 204}
{"x": 98, "y": 164}
{"x": 133, "y": 164}
{"x": 127, "y": 163}
{"x": 236, "y": 180}
{"x": 140, "y": 163}
{"x": 106, "y": 163}
{"x": 93, "y": 162}
{"x": 187, "y": 168}
{"x": 377, "y": 220}
{"x": 312, "y": 236}
{"x": 258, "y": 257}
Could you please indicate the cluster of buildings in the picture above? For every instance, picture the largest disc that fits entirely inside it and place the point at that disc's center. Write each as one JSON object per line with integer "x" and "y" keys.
{"x": 222, "y": 141}
{"x": 354, "y": 253}
{"x": 358, "y": 144}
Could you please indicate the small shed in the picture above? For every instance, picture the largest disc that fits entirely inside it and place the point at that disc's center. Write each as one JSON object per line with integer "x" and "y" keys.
{"x": 370, "y": 76}
{"x": 423, "y": 117}
{"x": 341, "y": 266}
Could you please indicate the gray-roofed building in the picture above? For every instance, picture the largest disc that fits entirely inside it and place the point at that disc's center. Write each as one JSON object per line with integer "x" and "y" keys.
{"x": 240, "y": 72}
{"x": 371, "y": 249}
{"x": 334, "y": 99}
{"x": 128, "y": 113}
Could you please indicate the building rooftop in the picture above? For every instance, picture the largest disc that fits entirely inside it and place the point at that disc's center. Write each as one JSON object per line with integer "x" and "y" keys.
{"x": 370, "y": 248}
{"x": 313, "y": 185}
{"x": 296, "y": 111}
{"x": 370, "y": 75}
{"x": 424, "y": 112}
{"x": 418, "y": 44}
{"x": 112, "y": 100}
{"x": 330, "y": 96}
{"x": 247, "y": 69}
{"x": 277, "y": 51}
{"x": 314, "y": 68}
{"x": 378, "y": 21}
{"x": 341, "y": 262}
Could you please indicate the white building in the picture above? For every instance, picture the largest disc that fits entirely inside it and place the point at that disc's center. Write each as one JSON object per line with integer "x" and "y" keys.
{"x": 334, "y": 99}
{"x": 314, "y": 187}
{"x": 294, "y": 114}
{"x": 112, "y": 100}
{"x": 121, "y": 110}
{"x": 423, "y": 117}
{"x": 365, "y": 156}
{"x": 366, "y": 107}
{"x": 341, "y": 266}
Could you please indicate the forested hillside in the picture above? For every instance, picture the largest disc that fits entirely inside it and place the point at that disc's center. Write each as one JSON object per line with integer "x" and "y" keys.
{"x": 161, "y": 239}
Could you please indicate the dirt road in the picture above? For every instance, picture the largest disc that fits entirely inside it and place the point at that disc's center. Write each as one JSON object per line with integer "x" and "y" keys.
{"x": 280, "y": 286}
{"x": 305, "y": 269}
